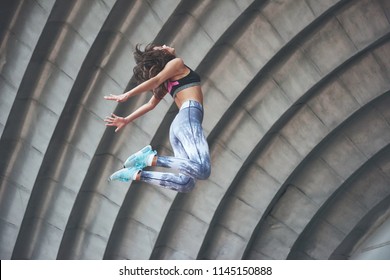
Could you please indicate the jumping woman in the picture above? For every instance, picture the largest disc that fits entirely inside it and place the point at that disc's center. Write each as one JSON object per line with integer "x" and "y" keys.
{"x": 160, "y": 71}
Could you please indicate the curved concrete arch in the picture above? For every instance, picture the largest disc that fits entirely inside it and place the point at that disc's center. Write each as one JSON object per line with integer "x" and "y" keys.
{"x": 35, "y": 111}
{"x": 359, "y": 197}
{"x": 316, "y": 180}
{"x": 239, "y": 107}
{"x": 367, "y": 228}
{"x": 283, "y": 82}
{"x": 246, "y": 196}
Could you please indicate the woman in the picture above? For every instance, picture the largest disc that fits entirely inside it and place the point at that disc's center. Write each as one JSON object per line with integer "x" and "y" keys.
{"x": 159, "y": 70}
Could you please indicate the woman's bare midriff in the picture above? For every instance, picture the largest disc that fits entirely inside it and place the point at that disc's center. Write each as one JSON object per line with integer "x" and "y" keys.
{"x": 192, "y": 93}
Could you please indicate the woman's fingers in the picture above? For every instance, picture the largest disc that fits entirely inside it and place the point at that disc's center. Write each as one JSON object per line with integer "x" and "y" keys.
{"x": 118, "y": 98}
{"x": 109, "y": 97}
{"x": 119, "y": 127}
{"x": 115, "y": 120}
{"x": 112, "y": 97}
{"x": 112, "y": 118}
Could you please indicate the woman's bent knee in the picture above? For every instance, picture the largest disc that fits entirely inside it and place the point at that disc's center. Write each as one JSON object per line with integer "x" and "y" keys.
{"x": 206, "y": 172}
{"x": 188, "y": 186}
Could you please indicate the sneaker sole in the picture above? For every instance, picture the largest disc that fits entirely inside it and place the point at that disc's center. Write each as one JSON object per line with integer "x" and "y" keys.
{"x": 122, "y": 175}
{"x": 114, "y": 177}
{"x": 133, "y": 156}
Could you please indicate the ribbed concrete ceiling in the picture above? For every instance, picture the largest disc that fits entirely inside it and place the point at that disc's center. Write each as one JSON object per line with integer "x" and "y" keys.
{"x": 296, "y": 114}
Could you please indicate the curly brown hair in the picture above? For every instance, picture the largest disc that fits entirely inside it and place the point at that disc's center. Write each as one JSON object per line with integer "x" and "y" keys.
{"x": 150, "y": 62}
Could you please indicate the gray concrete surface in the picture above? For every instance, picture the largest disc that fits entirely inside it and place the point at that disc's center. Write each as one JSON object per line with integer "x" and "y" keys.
{"x": 296, "y": 115}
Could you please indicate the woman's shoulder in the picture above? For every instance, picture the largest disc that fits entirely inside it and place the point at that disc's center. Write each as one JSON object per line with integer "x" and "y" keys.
{"x": 175, "y": 67}
{"x": 176, "y": 62}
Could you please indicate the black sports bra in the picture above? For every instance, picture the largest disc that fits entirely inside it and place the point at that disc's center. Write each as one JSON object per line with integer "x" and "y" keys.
{"x": 191, "y": 80}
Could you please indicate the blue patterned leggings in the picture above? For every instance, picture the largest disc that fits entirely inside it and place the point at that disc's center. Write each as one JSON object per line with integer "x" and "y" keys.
{"x": 192, "y": 158}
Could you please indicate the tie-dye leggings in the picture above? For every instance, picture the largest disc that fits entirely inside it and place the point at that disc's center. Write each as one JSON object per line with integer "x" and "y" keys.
{"x": 192, "y": 158}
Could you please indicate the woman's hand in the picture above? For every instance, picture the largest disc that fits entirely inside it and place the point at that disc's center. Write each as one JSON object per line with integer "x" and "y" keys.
{"x": 117, "y": 121}
{"x": 119, "y": 98}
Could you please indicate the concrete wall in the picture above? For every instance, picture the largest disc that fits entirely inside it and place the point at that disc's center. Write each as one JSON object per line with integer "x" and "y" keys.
{"x": 296, "y": 116}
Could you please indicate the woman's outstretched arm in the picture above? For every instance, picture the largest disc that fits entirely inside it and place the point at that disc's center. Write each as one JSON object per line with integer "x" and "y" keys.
{"x": 120, "y": 122}
{"x": 171, "y": 69}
